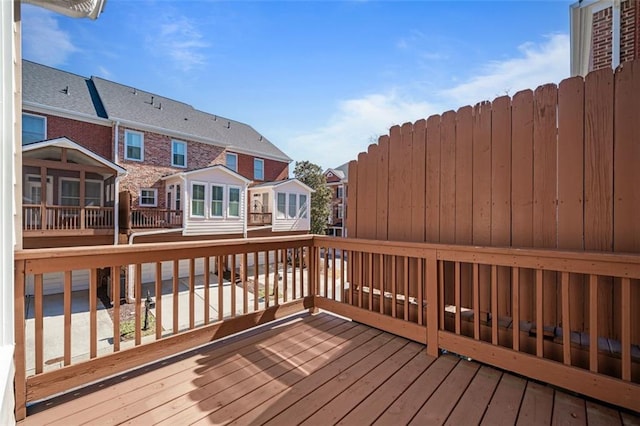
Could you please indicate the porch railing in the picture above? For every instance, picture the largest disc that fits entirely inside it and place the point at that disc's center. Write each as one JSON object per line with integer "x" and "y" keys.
{"x": 59, "y": 218}
{"x": 259, "y": 219}
{"x": 519, "y": 310}
{"x": 155, "y": 218}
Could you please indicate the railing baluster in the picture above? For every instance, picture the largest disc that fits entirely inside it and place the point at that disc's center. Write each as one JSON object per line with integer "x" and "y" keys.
{"x": 476, "y": 301}
{"x": 420, "y": 301}
{"x": 67, "y": 317}
{"x": 20, "y": 340}
{"x": 333, "y": 273}
{"x": 158, "y": 301}
{"x": 457, "y": 297}
{"x": 326, "y": 272}
{"x": 192, "y": 293}
{"x": 93, "y": 313}
{"x": 433, "y": 308}
{"x": 495, "y": 320}
{"x": 371, "y": 280}
{"x": 176, "y": 274}
{"x": 539, "y": 317}
{"x": 440, "y": 292}
{"x": 266, "y": 279}
{"x": 232, "y": 285}
{"x": 394, "y": 292}
{"x": 406, "y": 288}
{"x": 245, "y": 291}
{"x": 115, "y": 285}
{"x": 381, "y": 296}
{"x": 256, "y": 296}
{"x": 220, "y": 290}
{"x": 294, "y": 253}
{"x": 137, "y": 294}
{"x": 350, "y": 275}
{"x": 566, "y": 319}
{"x": 625, "y": 313}
{"x": 39, "y": 319}
{"x": 515, "y": 307}
{"x": 206, "y": 278}
{"x": 301, "y": 265}
{"x": 593, "y": 323}
{"x": 285, "y": 276}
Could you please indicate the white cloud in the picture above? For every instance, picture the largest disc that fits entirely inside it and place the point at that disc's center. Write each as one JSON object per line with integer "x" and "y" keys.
{"x": 351, "y": 128}
{"x": 547, "y": 62}
{"x": 42, "y": 39}
{"x": 356, "y": 124}
{"x": 179, "y": 39}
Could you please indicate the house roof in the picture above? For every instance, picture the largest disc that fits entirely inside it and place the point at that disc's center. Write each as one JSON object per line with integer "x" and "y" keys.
{"x": 282, "y": 182}
{"x": 46, "y": 86}
{"x": 102, "y": 99}
{"x": 138, "y": 107}
{"x": 341, "y": 171}
{"x": 219, "y": 167}
{"x": 89, "y": 156}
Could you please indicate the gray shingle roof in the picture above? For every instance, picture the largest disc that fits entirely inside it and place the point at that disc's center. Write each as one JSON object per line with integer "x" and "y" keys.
{"x": 59, "y": 89}
{"x": 102, "y": 98}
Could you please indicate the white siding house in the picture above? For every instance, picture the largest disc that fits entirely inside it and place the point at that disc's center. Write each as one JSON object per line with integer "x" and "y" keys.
{"x": 289, "y": 203}
{"x": 213, "y": 200}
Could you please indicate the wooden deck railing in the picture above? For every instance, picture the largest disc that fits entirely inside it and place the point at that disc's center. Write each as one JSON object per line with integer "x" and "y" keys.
{"x": 511, "y": 308}
{"x": 259, "y": 219}
{"x": 37, "y": 217}
{"x": 155, "y": 218}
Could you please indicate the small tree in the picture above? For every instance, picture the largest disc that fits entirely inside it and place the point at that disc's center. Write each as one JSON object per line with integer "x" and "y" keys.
{"x": 311, "y": 175}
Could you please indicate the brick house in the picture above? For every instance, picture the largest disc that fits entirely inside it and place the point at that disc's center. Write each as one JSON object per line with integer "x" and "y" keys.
{"x": 152, "y": 137}
{"x": 604, "y": 33}
{"x": 337, "y": 179}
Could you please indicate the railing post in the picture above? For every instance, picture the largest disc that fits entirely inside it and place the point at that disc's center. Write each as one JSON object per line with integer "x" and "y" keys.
{"x": 19, "y": 352}
{"x": 433, "y": 347}
{"x": 312, "y": 275}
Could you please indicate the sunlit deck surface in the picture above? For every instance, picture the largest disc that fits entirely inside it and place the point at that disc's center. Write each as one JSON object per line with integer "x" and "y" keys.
{"x": 320, "y": 369}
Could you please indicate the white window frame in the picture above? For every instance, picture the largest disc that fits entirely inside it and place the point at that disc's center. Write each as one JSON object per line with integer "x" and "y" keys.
{"x": 303, "y": 212}
{"x": 255, "y": 175}
{"x": 222, "y": 210}
{"x": 204, "y": 209}
{"x": 175, "y": 142}
{"x": 292, "y": 196}
{"x": 226, "y": 162}
{"x": 44, "y": 119}
{"x": 133, "y": 132}
{"x": 228, "y": 203}
{"x": 72, "y": 179}
{"x": 279, "y": 214}
{"x": 155, "y": 197}
{"x": 339, "y": 212}
{"x": 340, "y": 192}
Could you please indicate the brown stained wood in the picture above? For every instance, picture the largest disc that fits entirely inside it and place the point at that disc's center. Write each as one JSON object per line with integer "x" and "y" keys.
{"x": 19, "y": 357}
{"x": 326, "y": 274}
{"x": 371, "y": 268}
{"x": 593, "y": 323}
{"x": 219, "y": 273}
{"x": 448, "y": 178}
{"x": 294, "y": 286}
{"x": 351, "y": 377}
{"x": 93, "y": 314}
{"x": 267, "y": 291}
{"x": 385, "y": 395}
{"x": 206, "y": 289}
{"x": 404, "y": 408}
{"x": 494, "y": 305}
{"x": 464, "y": 168}
{"x": 433, "y": 313}
{"x": 569, "y": 410}
{"x": 352, "y": 201}
{"x": 630, "y": 419}
{"x": 67, "y": 317}
{"x": 473, "y": 403}
{"x": 505, "y": 401}
{"x": 382, "y": 187}
{"x": 361, "y": 206}
{"x": 405, "y": 292}
{"x": 115, "y": 286}
{"x": 418, "y": 173}
{"x": 482, "y": 169}
{"x": 255, "y": 280}
{"x": 245, "y": 280}
{"x": 38, "y": 323}
{"x": 219, "y": 357}
{"x": 515, "y": 305}
{"x": 370, "y": 195}
{"x": 232, "y": 283}
{"x": 158, "y": 291}
{"x": 221, "y": 406}
{"x": 394, "y": 294}
{"x": 44, "y": 385}
{"x": 361, "y": 389}
{"x": 537, "y": 405}
{"x": 539, "y": 313}
{"x": 625, "y": 313}
{"x": 599, "y": 415}
{"x": 566, "y": 320}
{"x": 437, "y": 408}
{"x": 175, "y": 282}
{"x": 432, "y": 180}
{"x": 285, "y": 278}
{"x": 456, "y": 297}
{"x": 421, "y": 291}
{"x": 476, "y": 301}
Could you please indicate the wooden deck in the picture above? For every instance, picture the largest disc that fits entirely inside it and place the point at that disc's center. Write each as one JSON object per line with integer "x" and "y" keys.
{"x": 320, "y": 369}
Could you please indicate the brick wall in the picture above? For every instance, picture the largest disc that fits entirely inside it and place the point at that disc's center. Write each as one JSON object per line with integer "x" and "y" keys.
{"x": 157, "y": 163}
{"x": 94, "y": 137}
{"x": 601, "y": 55}
{"x": 273, "y": 170}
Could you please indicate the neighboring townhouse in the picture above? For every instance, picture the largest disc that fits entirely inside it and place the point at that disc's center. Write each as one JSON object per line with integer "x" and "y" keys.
{"x": 337, "y": 179}
{"x": 172, "y": 167}
{"x": 604, "y": 34}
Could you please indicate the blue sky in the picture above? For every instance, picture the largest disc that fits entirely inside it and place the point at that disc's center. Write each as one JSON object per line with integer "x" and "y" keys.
{"x": 320, "y": 79}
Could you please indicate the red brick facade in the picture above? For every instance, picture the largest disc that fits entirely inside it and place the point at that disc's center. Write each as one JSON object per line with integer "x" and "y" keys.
{"x": 601, "y": 54}
{"x": 273, "y": 170}
{"x": 94, "y": 137}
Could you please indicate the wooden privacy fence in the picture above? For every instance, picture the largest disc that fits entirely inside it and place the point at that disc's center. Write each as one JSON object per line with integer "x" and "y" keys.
{"x": 552, "y": 168}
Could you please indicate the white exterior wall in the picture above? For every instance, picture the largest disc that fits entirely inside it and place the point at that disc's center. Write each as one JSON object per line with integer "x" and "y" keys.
{"x": 287, "y": 224}
{"x": 10, "y": 106}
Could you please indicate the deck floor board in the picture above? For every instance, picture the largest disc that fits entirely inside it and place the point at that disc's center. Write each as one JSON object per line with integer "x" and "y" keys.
{"x": 320, "y": 369}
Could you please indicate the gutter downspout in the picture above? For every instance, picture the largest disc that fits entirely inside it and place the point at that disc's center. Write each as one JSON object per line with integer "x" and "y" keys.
{"x": 116, "y": 191}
